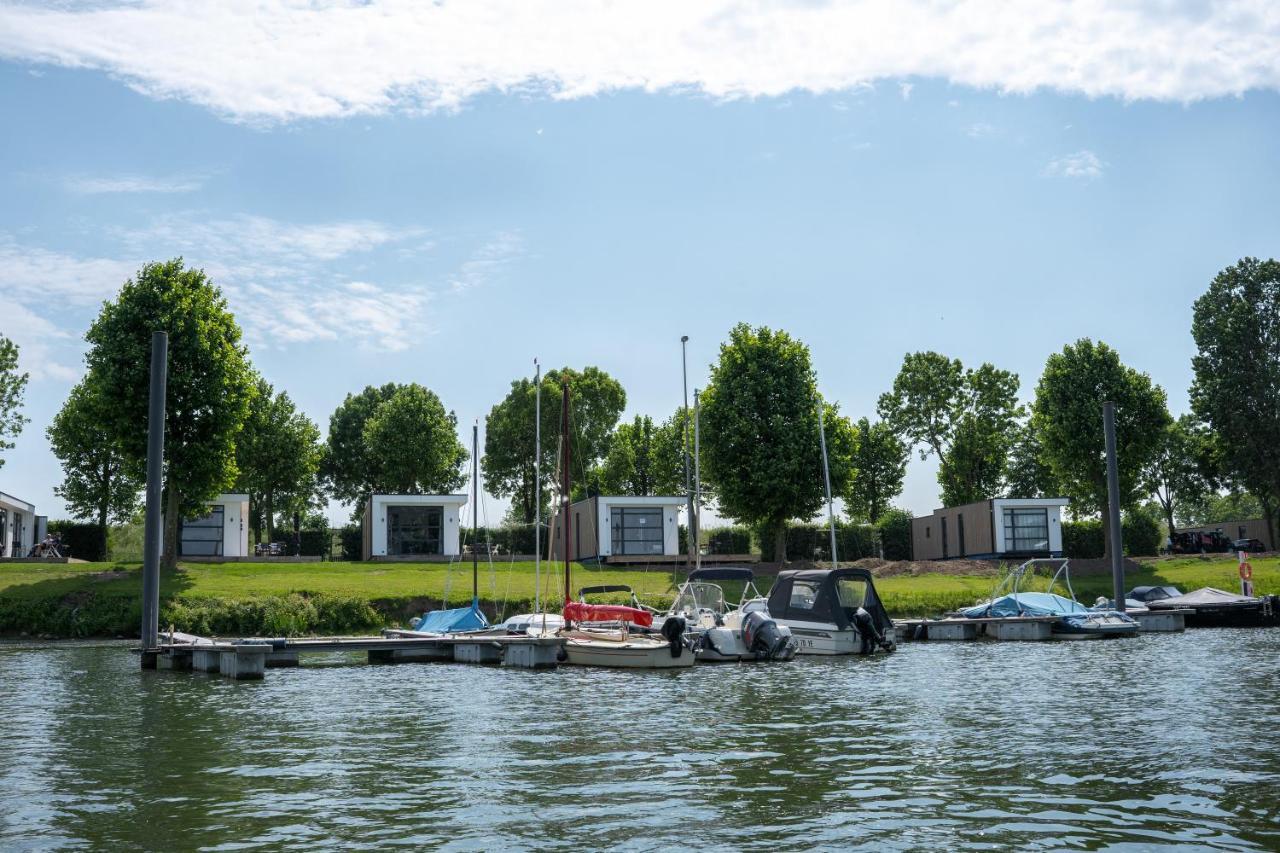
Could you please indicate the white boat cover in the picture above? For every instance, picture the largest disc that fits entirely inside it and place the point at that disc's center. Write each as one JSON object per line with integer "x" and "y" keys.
{"x": 1205, "y": 596}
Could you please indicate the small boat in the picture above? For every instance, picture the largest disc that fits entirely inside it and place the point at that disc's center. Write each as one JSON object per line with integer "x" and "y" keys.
{"x": 1216, "y": 608}
{"x": 601, "y": 635}
{"x": 533, "y": 624}
{"x": 1074, "y": 620}
{"x": 729, "y": 633}
{"x": 831, "y": 611}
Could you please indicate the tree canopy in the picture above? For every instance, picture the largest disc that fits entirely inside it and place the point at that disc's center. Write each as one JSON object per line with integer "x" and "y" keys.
{"x": 210, "y": 382}
{"x": 346, "y": 466}
{"x": 967, "y": 418}
{"x": 412, "y": 444}
{"x": 12, "y": 386}
{"x": 645, "y": 458}
{"x": 278, "y": 454}
{"x": 760, "y": 445}
{"x": 1067, "y": 418}
{"x": 1027, "y": 474}
{"x": 1182, "y": 469}
{"x": 877, "y": 469}
{"x": 1236, "y": 391}
{"x": 99, "y": 481}
{"x": 596, "y": 400}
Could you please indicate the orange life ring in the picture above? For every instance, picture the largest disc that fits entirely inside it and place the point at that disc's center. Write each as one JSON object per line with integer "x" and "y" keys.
{"x": 1246, "y": 571}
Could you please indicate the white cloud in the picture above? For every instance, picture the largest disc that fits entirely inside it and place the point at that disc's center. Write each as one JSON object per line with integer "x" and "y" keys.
{"x": 487, "y": 261}
{"x": 281, "y": 60}
{"x": 43, "y": 348}
{"x": 91, "y": 185}
{"x": 980, "y": 130}
{"x": 40, "y": 276}
{"x": 1082, "y": 164}
{"x": 905, "y": 90}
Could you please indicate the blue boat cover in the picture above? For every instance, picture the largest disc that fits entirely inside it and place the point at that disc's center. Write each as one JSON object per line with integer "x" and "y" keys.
{"x": 453, "y": 621}
{"x": 1027, "y": 604}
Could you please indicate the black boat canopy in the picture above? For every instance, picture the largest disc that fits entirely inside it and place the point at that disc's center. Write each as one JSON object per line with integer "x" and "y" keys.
{"x": 813, "y": 595}
{"x": 598, "y": 590}
{"x": 722, "y": 573}
{"x": 1153, "y": 593}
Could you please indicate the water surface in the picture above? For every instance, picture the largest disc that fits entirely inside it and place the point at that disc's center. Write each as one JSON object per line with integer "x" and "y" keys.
{"x": 1159, "y": 741}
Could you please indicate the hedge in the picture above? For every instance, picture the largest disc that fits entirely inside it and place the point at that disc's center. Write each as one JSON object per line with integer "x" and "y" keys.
{"x": 352, "y": 542}
{"x": 895, "y": 534}
{"x": 728, "y": 540}
{"x": 84, "y": 540}
{"x": 813, "y": 541}
{"x": 1083, "y": 540}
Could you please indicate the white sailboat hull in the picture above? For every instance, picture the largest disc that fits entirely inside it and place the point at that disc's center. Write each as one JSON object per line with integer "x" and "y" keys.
{"x": 637, "y": 653}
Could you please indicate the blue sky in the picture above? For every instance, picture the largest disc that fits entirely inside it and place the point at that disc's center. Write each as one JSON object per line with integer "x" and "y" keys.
{"x": 375, "y": 216}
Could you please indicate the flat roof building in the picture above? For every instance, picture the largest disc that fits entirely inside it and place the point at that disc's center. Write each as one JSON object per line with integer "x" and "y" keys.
{"x": 618, "y": 527}
{"x": 17, "y": 526}
{"x": 222, "y": 532}
{"x": 990, "y": 529}
{"x": 408, "y": 527}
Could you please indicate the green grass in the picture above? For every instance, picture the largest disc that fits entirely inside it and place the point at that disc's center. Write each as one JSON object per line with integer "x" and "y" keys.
{"x": 102, "y": 599}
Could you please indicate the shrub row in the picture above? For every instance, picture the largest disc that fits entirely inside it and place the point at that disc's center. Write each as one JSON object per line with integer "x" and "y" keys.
{"x": 1084, "y": 540}
{"x": 83, "y": 539}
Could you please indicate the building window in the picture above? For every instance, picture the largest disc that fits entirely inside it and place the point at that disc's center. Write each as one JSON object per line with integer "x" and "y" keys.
{"x": 636, "y": 530}
{"x": 202, "y": 537}
{"x": 414, "y": 530}
{"x": 926, "y": 531}
{"x": 1026, "y": 530}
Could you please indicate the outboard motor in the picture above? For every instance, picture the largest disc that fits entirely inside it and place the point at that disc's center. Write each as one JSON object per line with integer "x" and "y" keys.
{"x": 766, "y": 638}
{"x": 673, "y": 632}
{"x": 869, "y": 634}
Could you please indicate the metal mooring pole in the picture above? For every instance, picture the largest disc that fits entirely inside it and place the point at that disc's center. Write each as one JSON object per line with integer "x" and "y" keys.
{"x": 154, "y": 530}
{"x": 1113, "y": 505}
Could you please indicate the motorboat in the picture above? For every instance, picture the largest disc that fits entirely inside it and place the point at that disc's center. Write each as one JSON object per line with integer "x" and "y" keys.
{"x": 831, "y": 611}
{"x": 1074, "y": 621}
{"x": 723, "y": 632}
{"x": 532, "y": 624}
{"x": 1216, "y": 608}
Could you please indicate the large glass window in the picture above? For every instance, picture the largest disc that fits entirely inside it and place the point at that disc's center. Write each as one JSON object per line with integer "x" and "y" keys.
{"x": 202, "y": 537}
{"x": 414, "y": 530}
{"x": 804, "y": 596}
{"x": 1026, "y": 529}
{"x": 636, "y": 530}
{"x": 853, "y": 593}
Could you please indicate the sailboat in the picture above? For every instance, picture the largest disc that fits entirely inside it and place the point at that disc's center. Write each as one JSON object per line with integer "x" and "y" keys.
{"x": 602, "y": 634}
{"x": 460, "y": 620}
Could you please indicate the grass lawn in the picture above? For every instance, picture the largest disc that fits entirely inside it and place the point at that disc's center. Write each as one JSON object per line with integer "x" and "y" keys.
{"x": 102, "y": 598}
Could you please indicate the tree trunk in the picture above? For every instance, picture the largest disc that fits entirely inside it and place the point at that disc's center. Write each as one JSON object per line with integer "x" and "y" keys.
{"x": 271, "y": 515}
{"x": 1269, "y": 519}
{"x": 169, "y": 547}
{"x": 1168, "y": 517}
{"x": 780, "y": 542}
{"x": 103, "y": 507}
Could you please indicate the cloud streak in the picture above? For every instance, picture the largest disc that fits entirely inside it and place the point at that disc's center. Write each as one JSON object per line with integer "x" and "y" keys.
{"x": 1083, "y": 164}
{"x": 102, "y": 185}
{"x": 284, "y": 60}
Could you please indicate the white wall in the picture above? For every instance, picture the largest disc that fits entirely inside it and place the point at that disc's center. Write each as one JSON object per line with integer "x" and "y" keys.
{"x": 452, "y": 505}
{"x": 670, "y": 520}
{"x": 26, "y": 524}
{"x": 1053, "y": 505}
{"x": 235, "y": 521}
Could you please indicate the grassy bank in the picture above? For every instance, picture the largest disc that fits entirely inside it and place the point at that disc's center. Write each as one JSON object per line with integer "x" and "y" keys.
{"x": 102, "y": 599}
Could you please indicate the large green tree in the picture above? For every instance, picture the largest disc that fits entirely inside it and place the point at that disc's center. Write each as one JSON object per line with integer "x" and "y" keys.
{"x": 346, "y": 466}
{"x": 760, "y": 446}
{"x": 967, "y": 418}
{"x": 1067, "y": 418}
{"x": 878, "y": 466}
{"x": 645, "y": 458}
{"x": 1181, "y": 471}
{"x": 1028, "y": 475}
{"x": 209, "y": 387}
{"x": 596, "y": 403}
{"x": 12, "y": 386}
{"x": 278, "y": 454}
{"x": 1236, "y": 326}
{"x": 98, "y": 480}
{"x": 412, "y": 443}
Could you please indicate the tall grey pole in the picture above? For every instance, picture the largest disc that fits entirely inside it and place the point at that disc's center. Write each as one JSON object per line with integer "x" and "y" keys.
{"x": 696, "y": 526}
{"x": 1113, "y": 505}
{"x": 826, "y": 479}
{"x": 537, "y": 486}
{"x": 154, "y": 530}
{"x": 688, "y": 487}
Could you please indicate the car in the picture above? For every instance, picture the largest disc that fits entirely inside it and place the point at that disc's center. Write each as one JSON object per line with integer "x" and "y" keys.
{"x": 1249, "y": 546}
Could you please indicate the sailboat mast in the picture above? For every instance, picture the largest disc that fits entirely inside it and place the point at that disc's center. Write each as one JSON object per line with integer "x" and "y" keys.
{"x": 826, "y": 477}
{"x": 475, "y": 513}
{"x": 696, "y": 522}
{"x": 537, "y": 486}
{"x": 564, "y": 477}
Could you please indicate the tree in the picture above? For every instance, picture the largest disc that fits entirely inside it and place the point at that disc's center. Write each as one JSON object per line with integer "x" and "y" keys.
{"x": 99, "y": 481}
{"x": 1027, "y": 474}
{"x": 12, "y": 386}
{"x": 209, "y": 388}
{"x": 1236, "y": 391}
{"x": 412, "y": 443}
{"x": 278, "y": 454}
{"x": 346, "y": 466}
{"x": 967, "y": 418}
{"x": 646, "y": 459}
{"x": 1215, "y": 508}
{"x": 1067, "y": 417}
{"x": 878, "y": 466}
{"x": 760, "y": 445}
{"x": 1180, "y": 470}
{"x": 596, "y": 400}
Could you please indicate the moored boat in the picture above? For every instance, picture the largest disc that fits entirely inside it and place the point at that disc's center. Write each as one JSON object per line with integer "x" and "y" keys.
{"x": 1216, "y": 608}
{"x": 1073, "y": 620}
{"x": 831, "y": 611}
{"x": 721, "y": 632}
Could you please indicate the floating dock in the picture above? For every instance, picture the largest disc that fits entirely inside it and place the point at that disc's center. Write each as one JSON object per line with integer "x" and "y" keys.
{"x": 248, "y": 659}
{"x": 1021, "y": 628}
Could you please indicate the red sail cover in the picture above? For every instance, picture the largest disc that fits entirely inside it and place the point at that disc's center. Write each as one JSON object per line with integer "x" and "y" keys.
{"x": 577, "y": 611}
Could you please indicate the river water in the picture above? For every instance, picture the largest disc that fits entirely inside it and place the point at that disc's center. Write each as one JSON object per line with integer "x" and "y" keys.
{"x": 1158, "y": 741}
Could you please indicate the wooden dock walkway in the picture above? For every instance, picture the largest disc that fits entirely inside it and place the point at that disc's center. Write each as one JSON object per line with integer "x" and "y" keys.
{"x": 245, "y": 659}
{"x": 1021, "y": 628}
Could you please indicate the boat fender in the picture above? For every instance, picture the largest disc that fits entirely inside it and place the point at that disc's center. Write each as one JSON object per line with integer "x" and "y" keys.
{"x": 673, "y": 632}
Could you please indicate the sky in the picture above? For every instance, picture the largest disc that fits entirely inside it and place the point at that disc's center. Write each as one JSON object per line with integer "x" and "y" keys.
{"x": 441, "y": 193}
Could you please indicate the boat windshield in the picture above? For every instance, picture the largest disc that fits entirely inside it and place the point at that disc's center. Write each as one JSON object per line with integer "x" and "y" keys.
{"x": 852, "y": 592}
{"x": 697, "y": 596}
